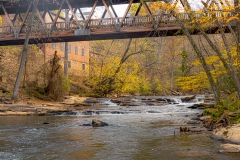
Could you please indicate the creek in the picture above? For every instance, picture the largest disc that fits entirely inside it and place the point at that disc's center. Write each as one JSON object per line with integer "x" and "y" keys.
{"x": 134, "y": 132}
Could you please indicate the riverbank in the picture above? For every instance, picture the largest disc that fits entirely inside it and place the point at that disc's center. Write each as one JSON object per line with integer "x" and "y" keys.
{"x": 35, "y": 107}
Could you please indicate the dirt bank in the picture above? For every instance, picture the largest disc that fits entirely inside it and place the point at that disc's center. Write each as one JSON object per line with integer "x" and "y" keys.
{"x": 42, "y": 108}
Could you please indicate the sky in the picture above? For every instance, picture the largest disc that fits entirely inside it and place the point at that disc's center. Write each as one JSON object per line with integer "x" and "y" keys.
{"x": 120, "y": 9}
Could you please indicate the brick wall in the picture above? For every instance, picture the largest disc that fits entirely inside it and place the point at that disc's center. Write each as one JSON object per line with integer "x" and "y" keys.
{"x": 78, "y": 56}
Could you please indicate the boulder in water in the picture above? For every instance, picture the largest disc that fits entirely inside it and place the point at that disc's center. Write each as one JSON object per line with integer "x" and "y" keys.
{"x": 86, "y": 125}
{"x": 188, "y": 98}
{"x": 97, "y": 123}
{"x": 230, "y": 148}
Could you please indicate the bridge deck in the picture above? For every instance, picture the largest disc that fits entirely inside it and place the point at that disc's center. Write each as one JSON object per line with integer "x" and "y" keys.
{"x": 84, "y": 29}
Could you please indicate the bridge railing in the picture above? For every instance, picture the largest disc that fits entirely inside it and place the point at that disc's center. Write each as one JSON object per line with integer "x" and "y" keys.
{"x": 105, "y": 23}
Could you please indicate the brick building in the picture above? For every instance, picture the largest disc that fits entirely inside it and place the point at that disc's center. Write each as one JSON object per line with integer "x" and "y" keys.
{"x": 78, "y": 52}
{"x": 78, "y": 56}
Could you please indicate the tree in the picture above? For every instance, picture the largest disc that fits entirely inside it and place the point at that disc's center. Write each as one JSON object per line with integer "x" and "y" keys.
{"x": 116, "y": 66}
{"x": 24, "y": 52}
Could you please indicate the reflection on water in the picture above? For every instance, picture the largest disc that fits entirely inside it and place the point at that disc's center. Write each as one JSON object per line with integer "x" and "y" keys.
{"x": 128, "y": 136}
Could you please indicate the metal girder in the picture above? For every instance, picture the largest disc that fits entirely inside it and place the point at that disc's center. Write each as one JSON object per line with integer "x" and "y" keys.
{"x": 75, "y": 10}
{"x": 9, "y": 20}
{"x": 91, "y": 14}
{"x": 148, "y": 11}
{"x": 22, "y": 5}
{"x": 74, "y": 15}
{"x": 126, "y": 12}
{"x": 80, "y": 11}
{"x": 40, "y": 17}
{"x": 57, "y": 15}
{"x": 24, "y": 20}
{"x": 110, "y": 14}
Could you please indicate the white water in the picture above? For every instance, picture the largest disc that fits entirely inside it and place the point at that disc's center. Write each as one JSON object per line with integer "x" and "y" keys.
{"x": 136, "y": 134}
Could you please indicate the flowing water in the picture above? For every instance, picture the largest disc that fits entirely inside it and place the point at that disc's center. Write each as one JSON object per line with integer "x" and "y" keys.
{"x": 134, "y": 132}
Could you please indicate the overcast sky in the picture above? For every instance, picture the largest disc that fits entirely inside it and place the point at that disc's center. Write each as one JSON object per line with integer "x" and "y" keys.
{"x": 120, "y": 9}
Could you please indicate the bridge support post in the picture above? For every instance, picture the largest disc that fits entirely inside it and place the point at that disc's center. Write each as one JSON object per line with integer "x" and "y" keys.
{"x": 66, "y": 45}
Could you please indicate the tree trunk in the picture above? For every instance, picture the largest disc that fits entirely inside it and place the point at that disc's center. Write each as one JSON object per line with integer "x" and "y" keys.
{"x": 229, "y": 67}
{"x": 24, "y": 52}
{"x": 237, "y": 10}
{"x": 201, "y": 58}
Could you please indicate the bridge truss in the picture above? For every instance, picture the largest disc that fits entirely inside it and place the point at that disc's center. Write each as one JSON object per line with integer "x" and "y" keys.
{"x": 51, "y": 26}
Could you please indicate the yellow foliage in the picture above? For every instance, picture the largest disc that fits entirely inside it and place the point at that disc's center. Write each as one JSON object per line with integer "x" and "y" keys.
{"x": 197, "y": 82}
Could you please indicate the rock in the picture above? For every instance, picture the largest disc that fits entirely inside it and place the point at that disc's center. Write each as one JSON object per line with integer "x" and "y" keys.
{"x": 202, "y": 106}
{"x": 193, "y": 122}
{"x": 231, "y": 134}
{"x": 91, "y": 100}
{"x": 129, "y": 104}
{"x": 234, "y": 114}
{"x": 97, "y": 123}
{"x": 209, "y": 99}
{"x": 230, "y": 148}
{"x": 188, "y": 98}
{"x": 117, "y": 101}
{"x": 69, "y": 101}
{"x": 186, "y": 129}
{"x": 72, "y": 100}
{"x": 161, "y": 99}
{"x": 205, "y": 118}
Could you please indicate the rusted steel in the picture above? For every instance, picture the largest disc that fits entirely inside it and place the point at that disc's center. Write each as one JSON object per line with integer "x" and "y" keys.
{"x": 75, "y": 10}
{"x": 148, "y": 11}
{"x": 24, "y": 19}
{"x": 50, "y": 15}
{"x": 40, "y": 17}
{"x": 125, "y": 13}
{"x": 90, "y": 15}
{"x": 80, "y": 11}
{"x": 110, "y": 14}
{"x": 8, "y": 18}
{"x": 74, "y": 15}
{"x": 57, "y": 15}
{"x": 22, "y": 5}
{"x": 103, "y": 28}
{"x": 15, "y": 17}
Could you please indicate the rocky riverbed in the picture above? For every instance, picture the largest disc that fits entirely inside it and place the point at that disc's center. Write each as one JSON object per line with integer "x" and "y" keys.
{"x": 131, "y": 106}
{"x": 72, "y": 104}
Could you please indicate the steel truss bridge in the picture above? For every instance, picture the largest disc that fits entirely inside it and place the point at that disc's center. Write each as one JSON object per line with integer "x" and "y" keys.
{"x": 50, "y": 26}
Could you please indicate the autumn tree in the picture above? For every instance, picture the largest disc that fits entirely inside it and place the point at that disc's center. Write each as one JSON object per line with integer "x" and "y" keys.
{"x": 117, "y": 66}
